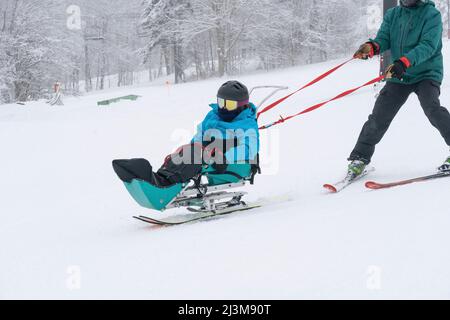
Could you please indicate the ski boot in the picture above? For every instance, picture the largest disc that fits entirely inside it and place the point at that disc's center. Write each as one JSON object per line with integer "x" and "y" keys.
{"x": 445, "y": 168}
{"x": 355, "y": 169}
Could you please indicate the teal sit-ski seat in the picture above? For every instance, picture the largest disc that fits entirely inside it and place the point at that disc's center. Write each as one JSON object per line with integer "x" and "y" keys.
{"x": 158, "y": 198}
{"x": 152, "y": 197}
{"x": 235, "y": 173}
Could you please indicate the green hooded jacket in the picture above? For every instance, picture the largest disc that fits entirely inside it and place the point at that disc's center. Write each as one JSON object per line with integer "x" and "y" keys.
{"x": 414, "y": 33}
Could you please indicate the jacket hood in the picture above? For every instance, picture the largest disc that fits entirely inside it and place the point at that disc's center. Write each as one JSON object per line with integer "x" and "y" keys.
{"x": 420, "y": 4}
{"x": 426, "y": 2}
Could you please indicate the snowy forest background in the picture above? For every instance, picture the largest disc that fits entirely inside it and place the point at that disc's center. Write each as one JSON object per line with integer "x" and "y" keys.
{"x": 96, "y": 45}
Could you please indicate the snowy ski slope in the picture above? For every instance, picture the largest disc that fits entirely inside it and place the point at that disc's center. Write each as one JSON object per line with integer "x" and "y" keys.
{"x": 66, "y": 230}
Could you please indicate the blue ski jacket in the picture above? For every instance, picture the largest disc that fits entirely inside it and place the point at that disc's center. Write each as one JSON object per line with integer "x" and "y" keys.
{"x": 243, "y": 129}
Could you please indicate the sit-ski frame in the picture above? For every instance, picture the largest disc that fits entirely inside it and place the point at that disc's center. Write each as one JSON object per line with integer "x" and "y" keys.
{"x": 209, "y": 198}
{"x": 276, "y": 89}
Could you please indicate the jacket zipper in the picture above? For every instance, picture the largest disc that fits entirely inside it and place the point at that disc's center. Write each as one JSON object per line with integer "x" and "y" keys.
{"x": 407, "y": 27}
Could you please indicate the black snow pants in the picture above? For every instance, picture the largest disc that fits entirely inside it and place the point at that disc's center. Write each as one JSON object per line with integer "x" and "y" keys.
{"x": 176, "y": 168}
{"x": 391, "y": 99}
{"x": 180, "y": 167}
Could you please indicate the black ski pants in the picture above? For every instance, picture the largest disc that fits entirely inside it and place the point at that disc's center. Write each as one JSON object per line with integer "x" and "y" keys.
{"x": 391, "y": 99}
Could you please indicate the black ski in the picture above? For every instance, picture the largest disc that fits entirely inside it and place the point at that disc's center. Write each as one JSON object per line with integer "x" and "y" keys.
{"x": 195, "y": 216}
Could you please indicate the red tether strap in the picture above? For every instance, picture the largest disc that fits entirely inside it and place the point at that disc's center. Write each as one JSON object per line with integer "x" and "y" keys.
{"x": 321, "y": 77}
{"x": 319, "y": 105}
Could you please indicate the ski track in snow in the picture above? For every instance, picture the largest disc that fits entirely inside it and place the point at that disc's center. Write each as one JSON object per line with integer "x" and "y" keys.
{"x": 63, "y": 207}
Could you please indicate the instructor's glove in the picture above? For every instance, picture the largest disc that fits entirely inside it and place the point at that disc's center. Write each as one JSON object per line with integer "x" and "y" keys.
{"x": 366, "y": 51}
{"x": 397, "y": 69}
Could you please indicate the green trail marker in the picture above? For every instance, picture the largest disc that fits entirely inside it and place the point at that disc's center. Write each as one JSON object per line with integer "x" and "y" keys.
{"x": 115, "y": 100}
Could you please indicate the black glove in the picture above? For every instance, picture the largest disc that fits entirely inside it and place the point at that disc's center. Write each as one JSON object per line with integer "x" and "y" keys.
{"x": 396, "y": 70}
{"x": 216, "y": 159}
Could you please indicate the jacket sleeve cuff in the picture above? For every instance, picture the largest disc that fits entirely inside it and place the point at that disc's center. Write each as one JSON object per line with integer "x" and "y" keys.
{"x": 405, "y": 61}
{"x": 376, "y": 47}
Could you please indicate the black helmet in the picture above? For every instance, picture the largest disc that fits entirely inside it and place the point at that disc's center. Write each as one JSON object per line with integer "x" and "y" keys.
{"x": 409, "y": 3}
{"x": 233, "y": 90}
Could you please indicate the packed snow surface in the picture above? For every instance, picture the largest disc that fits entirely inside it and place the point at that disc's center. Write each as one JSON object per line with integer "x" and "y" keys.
{"x": 66, "y": 229}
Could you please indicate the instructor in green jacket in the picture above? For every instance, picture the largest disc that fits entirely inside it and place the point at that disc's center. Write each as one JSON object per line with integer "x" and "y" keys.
{"x": 413, "y": 33}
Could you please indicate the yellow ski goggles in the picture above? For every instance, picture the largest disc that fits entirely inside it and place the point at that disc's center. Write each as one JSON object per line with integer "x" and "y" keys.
{"x": 230, "y": 105}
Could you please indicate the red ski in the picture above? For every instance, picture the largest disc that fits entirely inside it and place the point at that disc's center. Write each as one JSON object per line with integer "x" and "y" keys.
{"x": 347, "y": 181}
{"x": 376, "y": 186}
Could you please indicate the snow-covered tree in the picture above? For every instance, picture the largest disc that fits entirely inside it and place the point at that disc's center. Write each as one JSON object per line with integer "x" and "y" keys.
{"x": 190, "y": 39}
{"x": 34, "y": 51}
{"x": 162, "y": 23}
